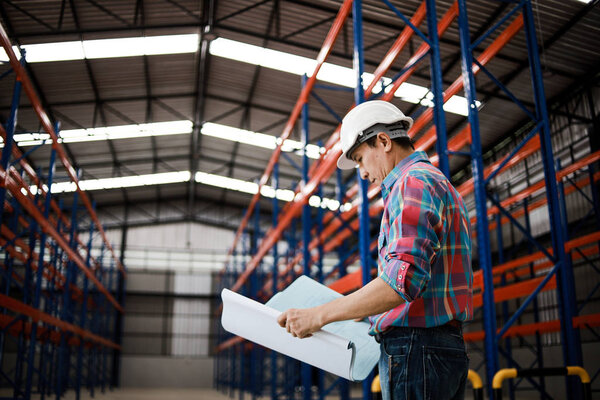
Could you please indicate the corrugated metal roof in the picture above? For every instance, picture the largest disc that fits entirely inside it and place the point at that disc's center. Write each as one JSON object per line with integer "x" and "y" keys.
{"x": 299, "y": 27}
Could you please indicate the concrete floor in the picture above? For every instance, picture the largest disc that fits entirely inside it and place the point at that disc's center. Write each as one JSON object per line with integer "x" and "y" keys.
{"x": 140, "y": 394}
{"x": 153, "y": 394}
{"x": 195, "y": 394}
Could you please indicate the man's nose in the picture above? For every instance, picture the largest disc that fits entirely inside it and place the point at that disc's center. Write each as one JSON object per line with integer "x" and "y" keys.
{"x": 363, "y": 173}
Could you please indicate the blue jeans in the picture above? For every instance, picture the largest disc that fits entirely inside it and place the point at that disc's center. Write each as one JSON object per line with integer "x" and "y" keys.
{"x": 423, "y": 363}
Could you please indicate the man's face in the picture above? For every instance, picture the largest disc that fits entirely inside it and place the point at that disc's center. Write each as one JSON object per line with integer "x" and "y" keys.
{"x": 370, "y": 162}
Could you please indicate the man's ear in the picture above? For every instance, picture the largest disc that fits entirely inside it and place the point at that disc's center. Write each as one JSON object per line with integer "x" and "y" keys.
{"x": 385, "y": 141}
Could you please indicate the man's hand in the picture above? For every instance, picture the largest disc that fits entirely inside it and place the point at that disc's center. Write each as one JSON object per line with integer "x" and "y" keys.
{"x": 301, "y": 323}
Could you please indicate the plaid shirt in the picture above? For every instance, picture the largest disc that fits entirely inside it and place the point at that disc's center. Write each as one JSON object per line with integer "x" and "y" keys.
{"x": 424, "y": 247}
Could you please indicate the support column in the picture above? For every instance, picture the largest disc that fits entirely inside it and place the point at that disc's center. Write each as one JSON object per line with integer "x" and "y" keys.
{"x": 363, "y": 185}
{"x": 565, "y": 281}
{"x": 439, "y": 118}
{"x": 483, "y": 237}
{"x": 306, "y": 370}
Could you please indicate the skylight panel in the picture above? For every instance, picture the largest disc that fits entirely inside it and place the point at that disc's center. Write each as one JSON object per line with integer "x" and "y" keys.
{"x": 108, "y": 48}
{"x": 331, "y": 73}
{"x": 258, "y": 139}
{"x": 205, "y": 178}
{"x": 221, "y": 47}
{"x": 108, "y": 133}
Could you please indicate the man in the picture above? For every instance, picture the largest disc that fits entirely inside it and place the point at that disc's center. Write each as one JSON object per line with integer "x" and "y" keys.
{"x": 423, "y": 292}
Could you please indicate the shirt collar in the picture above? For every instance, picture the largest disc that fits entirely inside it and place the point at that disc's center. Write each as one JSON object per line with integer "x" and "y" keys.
{"x": 399, "y": 169}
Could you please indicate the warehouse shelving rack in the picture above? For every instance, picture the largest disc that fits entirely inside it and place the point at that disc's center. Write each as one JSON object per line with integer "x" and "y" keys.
{"x": 61, "y": 305}
{"x": 517, "y": 278}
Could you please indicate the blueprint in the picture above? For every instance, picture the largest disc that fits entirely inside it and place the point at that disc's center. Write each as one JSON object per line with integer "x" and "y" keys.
{"x": 343, "y": 348}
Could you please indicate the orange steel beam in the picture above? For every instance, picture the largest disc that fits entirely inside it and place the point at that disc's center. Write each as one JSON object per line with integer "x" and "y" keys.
{"x": 528, "y": 149}
{"x": 50, "y": 273}
{"x": 541, "y": 202}
{"x": 19, "y": 180}
{"x": 443, "y": 24}
{"x": 36, "y": 180}
{"x": 583, "y": 321}
{"x": 287, "y": 131}
{"x": 18, "y": 155}
{"x": 532, "y": 189}
{"x": 528, "y": 259}
{"x": 43, "y": 334}
{"x": 9, "y": 209}
{"x": 37, "y": 316}
{"x": 455, "y": 143}
{"x": 25, "y": 224}
{"x": 398, "y": 46}
{"x": 31, "y": 208}
{"x": 9, "y": 234}
{"x": 523, "y": 272}
{"x": 515, "y": 290}
{"x": 47, "y": 124}
{"x": 541, "y": 184}
{"x": 229, "y": 343}
{"x": 336, "y": 241}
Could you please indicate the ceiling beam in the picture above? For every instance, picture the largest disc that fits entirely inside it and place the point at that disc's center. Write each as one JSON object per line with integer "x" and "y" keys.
{"x": 245, "y": 121}
{"x": 202, "y": 78}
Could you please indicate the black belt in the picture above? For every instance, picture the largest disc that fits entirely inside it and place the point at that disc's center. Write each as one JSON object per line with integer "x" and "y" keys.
{"x": 452, "y": 324}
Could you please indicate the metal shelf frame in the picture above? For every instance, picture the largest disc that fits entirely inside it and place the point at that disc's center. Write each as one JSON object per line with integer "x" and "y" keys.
{"x": 510, "y": 279}
{"x": 61, "y": 306}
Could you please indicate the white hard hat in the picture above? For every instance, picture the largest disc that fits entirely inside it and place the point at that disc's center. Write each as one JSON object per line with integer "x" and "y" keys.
{"x": 355, "y": 126}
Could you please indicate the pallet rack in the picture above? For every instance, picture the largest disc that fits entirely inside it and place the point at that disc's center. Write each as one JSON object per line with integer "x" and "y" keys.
{"x": 513, "y": 280}
{"x": 61, "y": 305}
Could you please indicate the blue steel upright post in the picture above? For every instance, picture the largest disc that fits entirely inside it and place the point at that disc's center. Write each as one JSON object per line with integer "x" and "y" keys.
{"x": 274, "y": 273}
{"x": 439, "y": 118}
{"x": 65, "y": 314}
{"x": 10, "y": 126}
{"x": 306, "y": 370}
{"x": 4, "y": 162}
{"x": 340, "y": 189}
{"x": 38, "y": 284}
{"x": 483, "y": 238}
{"x": 565, "y": 281}
{"x": 363, "y": 185}
{"x": 254, "y": 282}
{"x": 84, "y": 309}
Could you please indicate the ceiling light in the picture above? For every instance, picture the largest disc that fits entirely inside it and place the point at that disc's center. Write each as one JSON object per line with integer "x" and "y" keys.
{"x": 108, "y": 133}
{"x": 163, "y": 178}
{"x": 107, "y": 48}
{"x": 121, "y": 182}
{"x": 167, "y": 128}
{"x": 258, "y": 139}
{"x": 331, "y": 73}
{"x": 239, "y": 185}
{"x": 220, "y": 47}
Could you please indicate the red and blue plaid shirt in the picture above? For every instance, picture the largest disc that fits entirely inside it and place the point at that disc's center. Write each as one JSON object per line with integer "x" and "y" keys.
{"x": 424, "y": 247}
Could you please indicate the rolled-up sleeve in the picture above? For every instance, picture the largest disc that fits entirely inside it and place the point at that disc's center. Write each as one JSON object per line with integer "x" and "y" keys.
{"x": 413, "y": 241}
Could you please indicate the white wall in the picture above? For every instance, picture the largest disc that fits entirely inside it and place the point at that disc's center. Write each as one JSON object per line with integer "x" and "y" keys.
{"x": 167, "y": 306}
{"x": 189, "y": 235}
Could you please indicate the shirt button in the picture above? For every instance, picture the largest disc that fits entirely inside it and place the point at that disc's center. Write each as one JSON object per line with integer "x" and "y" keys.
{"x": 404, "y": 267}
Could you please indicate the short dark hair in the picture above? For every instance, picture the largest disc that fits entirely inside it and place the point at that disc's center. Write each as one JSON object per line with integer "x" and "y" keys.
{"x": 404, "y": 141}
